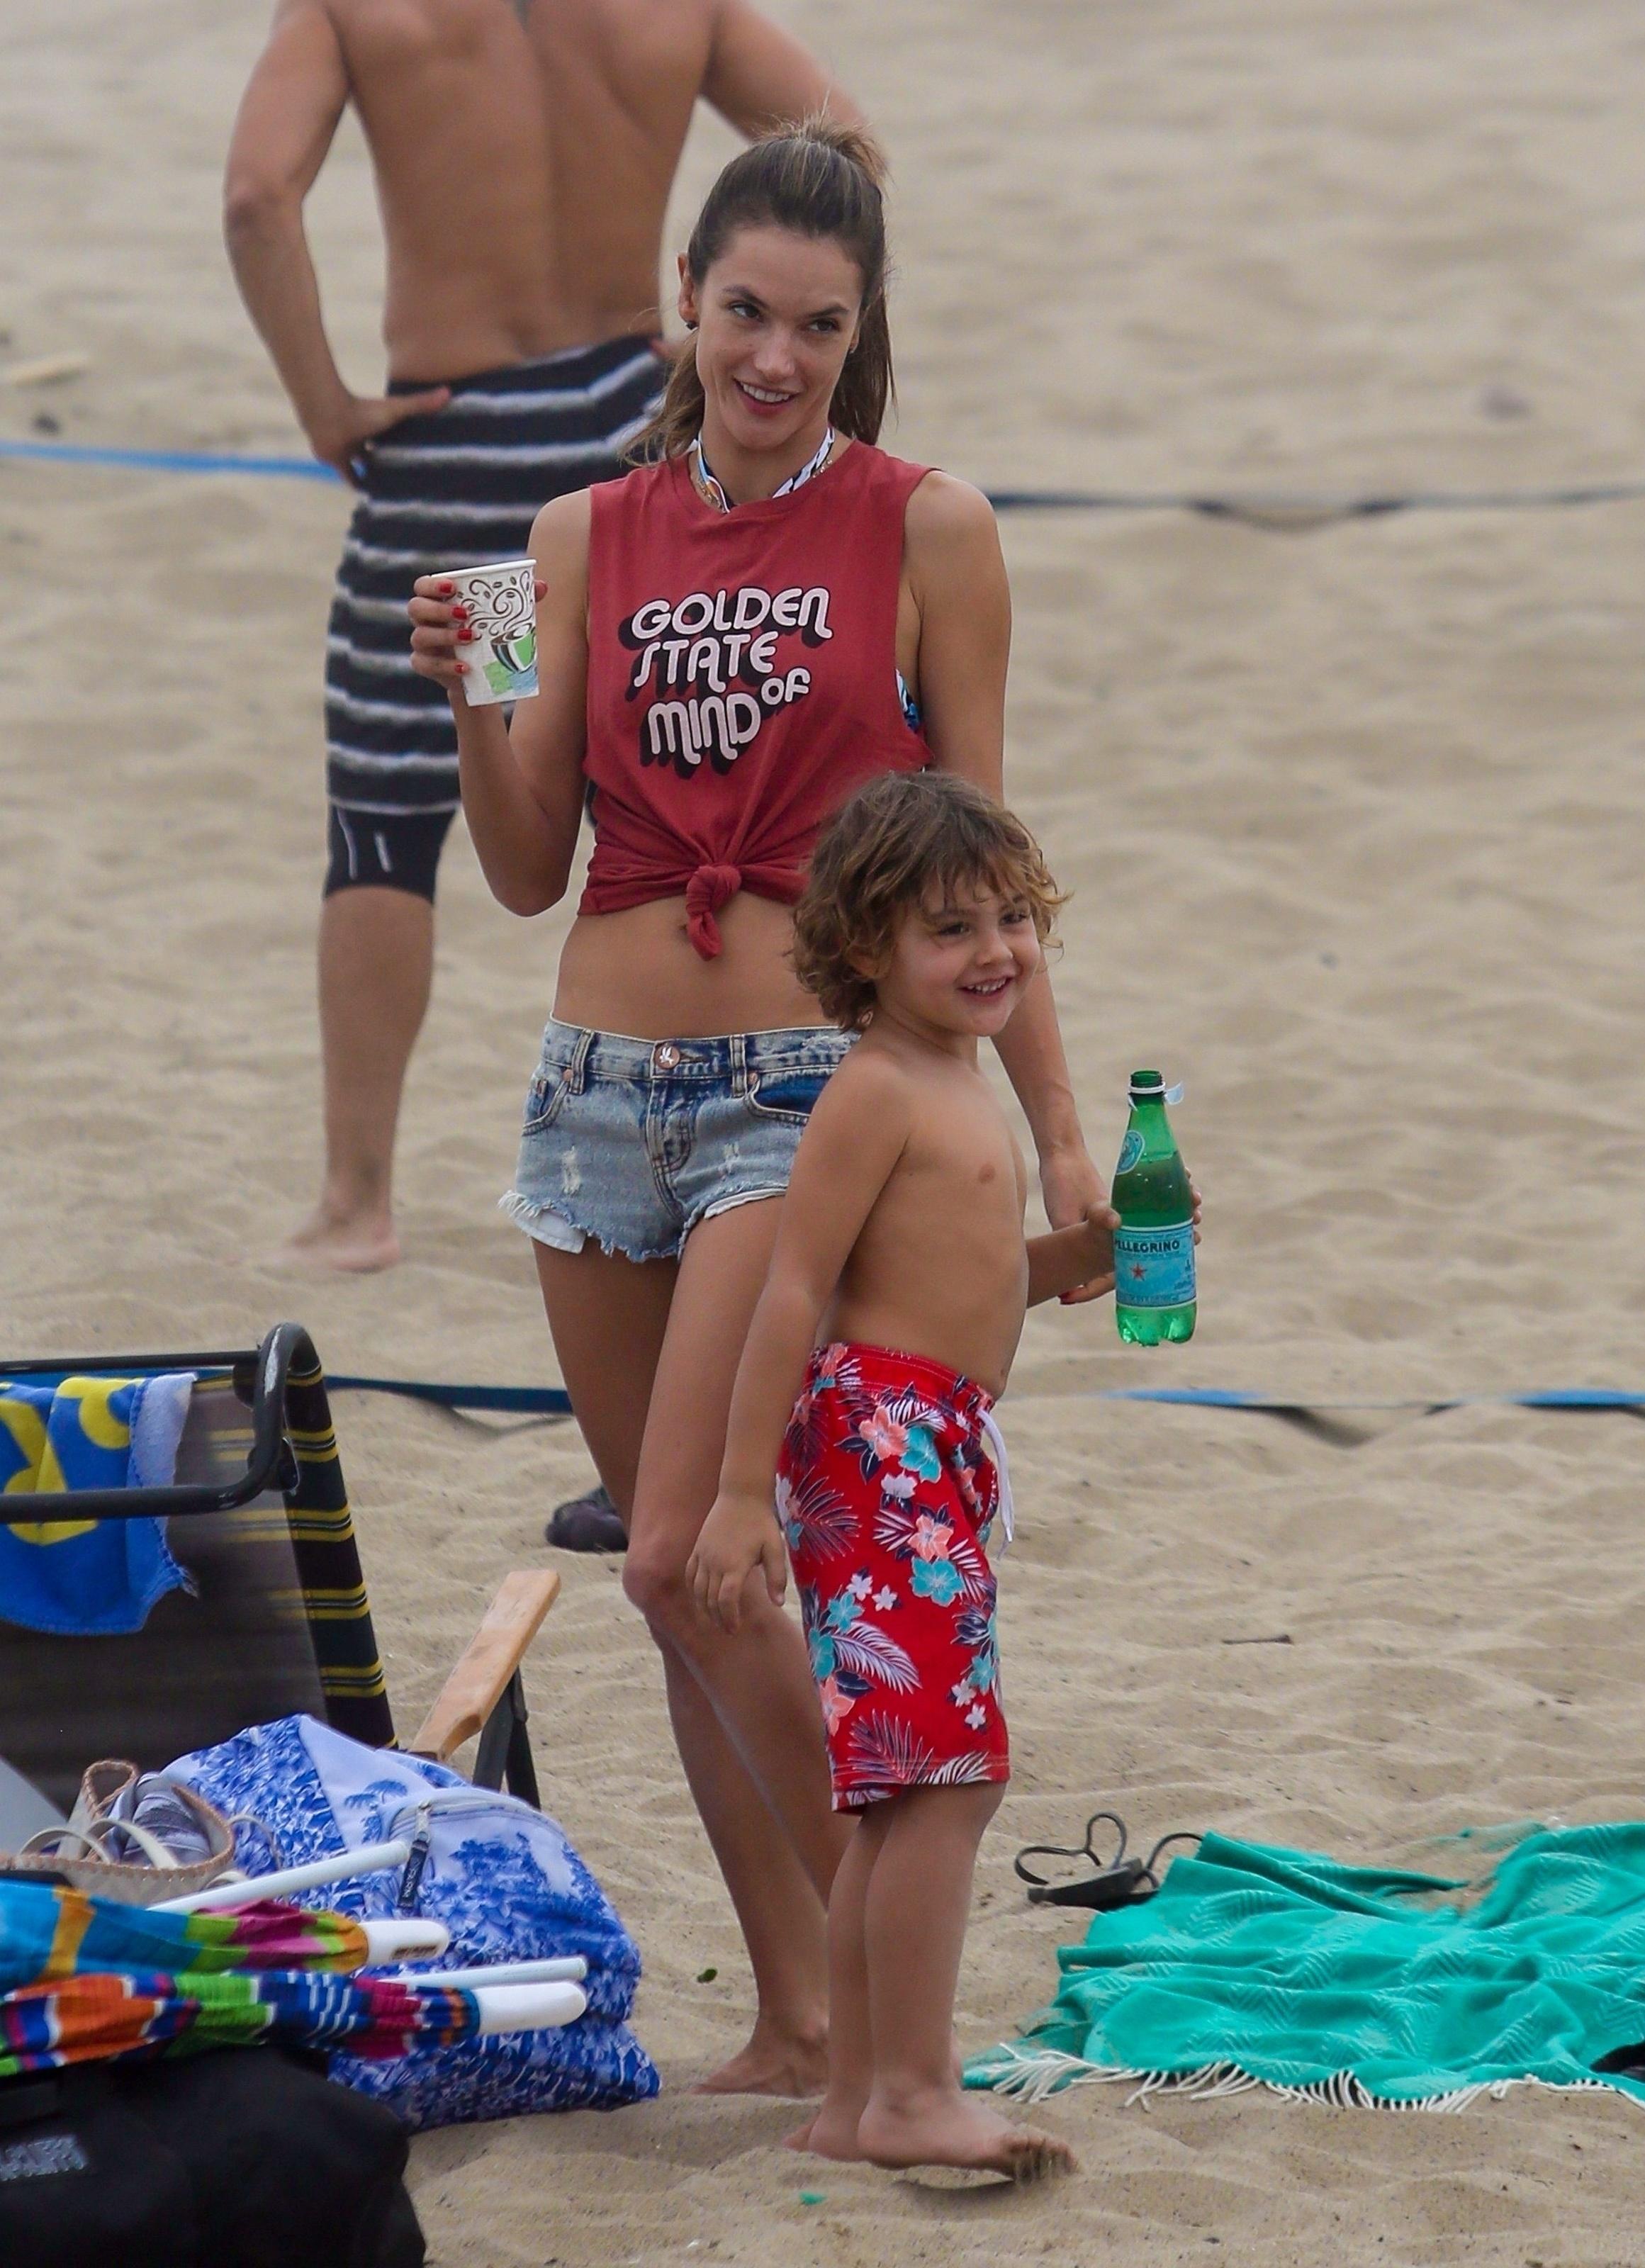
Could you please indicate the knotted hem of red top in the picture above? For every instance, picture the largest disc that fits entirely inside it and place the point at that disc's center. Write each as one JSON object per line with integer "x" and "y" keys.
{"x": 707, "y": 888}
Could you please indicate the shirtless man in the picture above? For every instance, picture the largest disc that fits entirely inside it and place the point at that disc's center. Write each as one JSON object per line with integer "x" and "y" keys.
{"x": 524, "y": 152}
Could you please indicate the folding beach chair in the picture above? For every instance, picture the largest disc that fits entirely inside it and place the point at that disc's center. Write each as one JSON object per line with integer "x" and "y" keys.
{"x": 277, "y": 1621}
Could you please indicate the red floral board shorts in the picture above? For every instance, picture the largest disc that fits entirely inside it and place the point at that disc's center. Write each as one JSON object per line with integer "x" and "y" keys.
{"x": 886, "y": 1495}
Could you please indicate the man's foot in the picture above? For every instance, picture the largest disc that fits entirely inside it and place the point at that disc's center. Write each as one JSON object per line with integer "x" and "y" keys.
{"x": 956, "y": 2130}
{"x": 832, "y": 2133}
{"x": 358, "y": 1246}
{"x": 772, "y": 2063}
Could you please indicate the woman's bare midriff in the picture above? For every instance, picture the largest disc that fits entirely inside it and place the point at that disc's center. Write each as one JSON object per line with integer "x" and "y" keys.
{"x": 637, "y": 972}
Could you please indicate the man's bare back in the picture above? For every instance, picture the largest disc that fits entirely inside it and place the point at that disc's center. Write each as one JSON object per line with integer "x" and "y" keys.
{"x": 448, "y": 98}
{"x": 524, "y": 209}
{"x": 620, "y": 79}
{"x": 524, "y": 152}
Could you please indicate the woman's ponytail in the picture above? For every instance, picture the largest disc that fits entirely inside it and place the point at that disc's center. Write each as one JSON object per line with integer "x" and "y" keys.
{"x": 867, "y": 386}
{"x": 679, "y": 418}
{"x": 820, "y": 179}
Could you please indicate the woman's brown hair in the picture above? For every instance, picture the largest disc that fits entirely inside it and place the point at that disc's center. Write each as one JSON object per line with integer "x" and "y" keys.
{"x": 901, "y": 840}
{"x": 820, "y": 179}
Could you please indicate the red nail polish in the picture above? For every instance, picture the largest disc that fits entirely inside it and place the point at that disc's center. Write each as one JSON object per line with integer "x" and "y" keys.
{"x": 444, "y": 589}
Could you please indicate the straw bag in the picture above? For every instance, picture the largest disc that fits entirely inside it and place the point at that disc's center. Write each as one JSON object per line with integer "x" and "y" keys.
{"x": 106, "y": 1852}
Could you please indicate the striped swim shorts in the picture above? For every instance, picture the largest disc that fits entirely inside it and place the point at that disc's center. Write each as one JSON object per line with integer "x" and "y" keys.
{"x": 454, "y": 490}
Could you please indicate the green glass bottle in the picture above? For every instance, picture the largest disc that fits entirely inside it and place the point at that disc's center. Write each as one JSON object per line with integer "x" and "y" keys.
{"x": 1153, "y": 1245}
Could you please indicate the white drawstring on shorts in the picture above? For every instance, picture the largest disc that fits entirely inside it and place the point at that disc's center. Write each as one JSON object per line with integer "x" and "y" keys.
{"x": 997, "y": 1449}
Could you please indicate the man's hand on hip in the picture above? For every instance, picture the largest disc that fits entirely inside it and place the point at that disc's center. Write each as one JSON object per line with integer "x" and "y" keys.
{"x": 343, "y": 439}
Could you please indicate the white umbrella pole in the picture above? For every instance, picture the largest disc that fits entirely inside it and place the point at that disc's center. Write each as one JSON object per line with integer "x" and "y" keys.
{"x": 569, "y": 1970}
{"x": 342, "y": 1868}
{"x": 529, "y": 2008}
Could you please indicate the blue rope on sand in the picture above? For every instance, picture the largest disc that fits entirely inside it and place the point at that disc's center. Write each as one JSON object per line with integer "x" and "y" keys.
{"x": 553, "y": 1402}
{"x": 511, "y": 1401}
{"x": 1280, "y": 511}
{"x": 168, "y": 460}
{"x": 1221, "y": 1397}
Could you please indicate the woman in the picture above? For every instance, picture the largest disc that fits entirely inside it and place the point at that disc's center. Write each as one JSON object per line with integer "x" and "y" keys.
{"x": 730, "y": 640}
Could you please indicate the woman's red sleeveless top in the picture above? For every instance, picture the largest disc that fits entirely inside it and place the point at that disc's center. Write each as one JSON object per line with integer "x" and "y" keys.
{"x": 741, "y": 679}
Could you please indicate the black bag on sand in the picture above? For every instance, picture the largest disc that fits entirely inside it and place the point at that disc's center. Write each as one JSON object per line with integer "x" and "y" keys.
{"x": 240, "y": 2158}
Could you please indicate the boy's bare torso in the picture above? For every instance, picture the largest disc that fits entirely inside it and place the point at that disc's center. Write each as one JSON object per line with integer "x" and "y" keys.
{"x": 524, "y": 152}
{"x": 940, "y": 1266}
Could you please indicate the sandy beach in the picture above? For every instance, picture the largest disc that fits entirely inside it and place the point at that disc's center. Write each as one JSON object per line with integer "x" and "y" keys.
{"x": 1353, "y": 818}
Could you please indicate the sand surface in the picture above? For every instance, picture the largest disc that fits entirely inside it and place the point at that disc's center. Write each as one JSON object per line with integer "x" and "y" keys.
{"x": 1354, "y": 820}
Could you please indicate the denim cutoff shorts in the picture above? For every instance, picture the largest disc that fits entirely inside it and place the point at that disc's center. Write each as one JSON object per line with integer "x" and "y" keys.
{"x": 633, "y": 1142}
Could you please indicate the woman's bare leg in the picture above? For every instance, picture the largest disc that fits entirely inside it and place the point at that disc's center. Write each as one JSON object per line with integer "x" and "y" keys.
{"x": 918, "y": 1896}
{"x": 759, "y": 1681}
{"x": 610, "y": 1317}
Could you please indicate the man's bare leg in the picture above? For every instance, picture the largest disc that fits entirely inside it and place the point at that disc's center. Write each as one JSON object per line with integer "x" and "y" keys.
{"x": 376, "y": 971}
{"x": 610, "y": 1317}
{"x": 917, "y": 1897}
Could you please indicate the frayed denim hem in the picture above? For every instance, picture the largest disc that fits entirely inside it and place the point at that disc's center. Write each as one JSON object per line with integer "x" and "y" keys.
{"x": 546, "y": 1226}
{"x": 734, "y": 1205}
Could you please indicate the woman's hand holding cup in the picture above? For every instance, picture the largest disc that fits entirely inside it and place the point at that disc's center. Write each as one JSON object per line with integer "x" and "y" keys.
{"x": 442, "y": 625}
{"x": 438, "y": 629}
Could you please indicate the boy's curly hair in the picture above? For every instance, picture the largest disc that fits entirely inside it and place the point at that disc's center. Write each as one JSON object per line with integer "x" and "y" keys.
{"x": 902, "y": 840}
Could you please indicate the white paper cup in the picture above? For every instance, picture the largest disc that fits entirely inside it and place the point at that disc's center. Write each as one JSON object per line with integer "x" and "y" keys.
{"x": 501, "y": 652}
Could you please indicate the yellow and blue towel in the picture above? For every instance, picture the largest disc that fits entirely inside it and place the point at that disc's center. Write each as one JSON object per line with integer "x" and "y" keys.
{"x": 88, "y": 1578}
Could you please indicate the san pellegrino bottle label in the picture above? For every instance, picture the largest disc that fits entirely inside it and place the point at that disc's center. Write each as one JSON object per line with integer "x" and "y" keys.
{"x": 1154, "y": 1267}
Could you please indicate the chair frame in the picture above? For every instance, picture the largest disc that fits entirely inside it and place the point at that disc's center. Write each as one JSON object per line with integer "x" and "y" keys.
{"x": 484, "y": 1693}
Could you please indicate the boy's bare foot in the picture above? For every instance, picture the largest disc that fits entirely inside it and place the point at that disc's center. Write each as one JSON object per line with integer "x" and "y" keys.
{"x": 773, "y": 2063}
{"x": 355, "y": 1245}
{"x": 832, "y": 2133}
{"x": 955, "y": 2130}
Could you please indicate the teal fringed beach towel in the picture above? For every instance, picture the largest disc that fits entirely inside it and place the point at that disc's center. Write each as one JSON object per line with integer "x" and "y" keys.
{"x": 1258, "y": 1967}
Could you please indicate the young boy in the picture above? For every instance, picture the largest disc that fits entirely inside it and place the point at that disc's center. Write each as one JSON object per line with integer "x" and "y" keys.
{"x": 893, "y": 1307}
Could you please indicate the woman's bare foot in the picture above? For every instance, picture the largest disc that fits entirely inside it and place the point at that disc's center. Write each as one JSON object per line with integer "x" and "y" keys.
{"x": 956, "y": 2130}
{"x": 352, "y": 1245}
{"x": 773, "y": 2063}
{"x": 832, "y": 2133}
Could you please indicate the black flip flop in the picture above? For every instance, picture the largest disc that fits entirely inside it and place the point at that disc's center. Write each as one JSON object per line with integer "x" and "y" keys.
{"x": 1118, "y": 1881}
{"x": 586, "y": 1524}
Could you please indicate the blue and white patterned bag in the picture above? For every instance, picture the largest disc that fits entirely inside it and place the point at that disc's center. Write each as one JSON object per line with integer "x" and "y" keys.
{"x": 501, "y": 1876}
